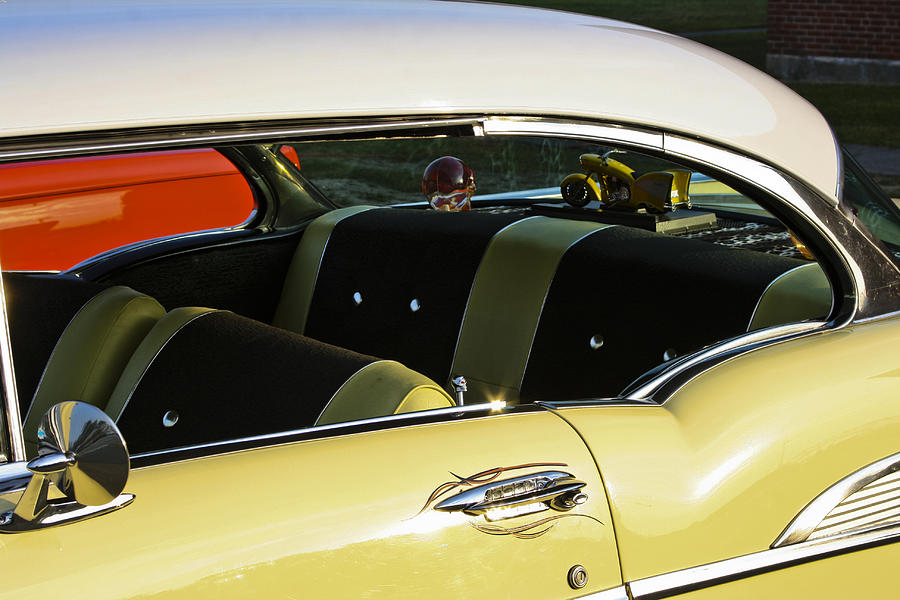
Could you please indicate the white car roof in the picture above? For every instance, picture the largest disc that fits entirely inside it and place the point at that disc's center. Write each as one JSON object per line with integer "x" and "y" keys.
{"x": 97, "y": 64}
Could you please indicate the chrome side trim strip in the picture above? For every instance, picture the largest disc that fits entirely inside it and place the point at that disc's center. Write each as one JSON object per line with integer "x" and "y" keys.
{"x": 616, "y": 593}
{"x": 398, "y": 420}
{"x": 593, "y": 402}
{"x": 763, "y": 335}
{"x": 810, "y": 518}
{"x": 10, "y": 393}
{"x": 881, "y": 317}
{"x": 741, "y": 567}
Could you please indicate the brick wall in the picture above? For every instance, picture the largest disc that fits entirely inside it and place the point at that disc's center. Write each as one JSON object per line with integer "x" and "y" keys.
{"x": 867, "y": 29}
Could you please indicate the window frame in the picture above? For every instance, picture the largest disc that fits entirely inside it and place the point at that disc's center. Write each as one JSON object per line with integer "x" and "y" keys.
{"x": 850, "y": 261}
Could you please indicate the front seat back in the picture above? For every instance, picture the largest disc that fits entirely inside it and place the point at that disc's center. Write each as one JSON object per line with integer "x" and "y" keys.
{"x": 88, "y": 356}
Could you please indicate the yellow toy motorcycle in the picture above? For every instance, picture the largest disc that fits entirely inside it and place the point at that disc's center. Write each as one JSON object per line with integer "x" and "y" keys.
{"x": 614, "y": 185}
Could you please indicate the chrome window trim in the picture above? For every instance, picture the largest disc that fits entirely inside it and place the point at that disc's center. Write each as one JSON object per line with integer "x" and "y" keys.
{"x": 808, "y": 519}
{"x": 742, "y": 168}
{"x": 271, "y": 439}
{"x": 149, "y": 243}
{"x": 14, "y": 477}
{"x": 10, "y": 393}
{"x": 170, "y": 137}
{"x": 767, "y": 336}
{"x": 765, "y": 177}
{"x": 839, "y": 152}
{"x": 619, "y": 134}
{"x": 757, "y": 563}
{"x": 880, "y": 317}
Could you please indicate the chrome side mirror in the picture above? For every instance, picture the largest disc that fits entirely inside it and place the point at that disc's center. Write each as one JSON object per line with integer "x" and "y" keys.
{"x": 80, "y": 451}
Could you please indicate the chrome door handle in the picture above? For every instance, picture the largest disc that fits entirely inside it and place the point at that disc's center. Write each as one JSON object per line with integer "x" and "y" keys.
{"x": 519, "y": 496}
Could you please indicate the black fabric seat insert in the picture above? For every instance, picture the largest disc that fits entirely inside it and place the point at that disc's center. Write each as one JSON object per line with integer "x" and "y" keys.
{"x": 644, "y": 293}
{"x": 39, "y": 308}
{"x": 227, "y": 376}
{"x": 391, "y": 257}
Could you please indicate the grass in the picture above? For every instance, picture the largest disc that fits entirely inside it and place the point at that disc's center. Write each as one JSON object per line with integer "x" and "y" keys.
{"x": 681, "y": 16}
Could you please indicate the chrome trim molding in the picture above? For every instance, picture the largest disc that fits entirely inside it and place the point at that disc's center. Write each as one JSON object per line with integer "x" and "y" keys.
{"x": 219, "y": 134}
{"x": 488, "y": 407}
{"x": 593, "y": 402}
{"x": 869, "y": 497}
{"x": 858, "y": 249}
{"x": 771, "y": 334}
{"x": 741, "y": 567}
{"x": 10, "y": 393}
{"x": 839, "y": 152}
{"x": 14, "y": 477}
{"x": 616, "y": 593}
{"x": 881, "y": 317}
{"x": 633, "y": 136}
{"x": 144, "y": 244}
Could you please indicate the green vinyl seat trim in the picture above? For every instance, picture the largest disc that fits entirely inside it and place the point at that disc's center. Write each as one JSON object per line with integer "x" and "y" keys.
{"x": 796, "y": 295}
{"x": 300, "y": 282}
{"x": 146, "y": 351}
{"x": 383, "y": 388}
{"x": 92, "y": 353}
{"x": 505, "y": 304}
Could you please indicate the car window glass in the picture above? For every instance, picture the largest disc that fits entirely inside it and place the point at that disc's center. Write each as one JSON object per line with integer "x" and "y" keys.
{"x": 520, "y": 170}
{"x": 871, "y": 205}
{"x": 577, "y": 269}
{"x": 57, "y": 213}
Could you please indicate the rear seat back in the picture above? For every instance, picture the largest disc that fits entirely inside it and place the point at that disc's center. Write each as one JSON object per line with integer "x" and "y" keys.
{"x": 538, "y": 307}
{"x": 388, "y": 282}
{"x": 204, "y": 375}
{"x": 624, "y": 300}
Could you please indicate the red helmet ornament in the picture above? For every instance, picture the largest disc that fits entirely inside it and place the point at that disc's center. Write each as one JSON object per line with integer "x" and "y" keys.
{"x": 448, "y": 184}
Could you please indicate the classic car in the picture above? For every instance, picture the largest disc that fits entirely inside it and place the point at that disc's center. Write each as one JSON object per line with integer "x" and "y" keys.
{"x": 350, "y": 394}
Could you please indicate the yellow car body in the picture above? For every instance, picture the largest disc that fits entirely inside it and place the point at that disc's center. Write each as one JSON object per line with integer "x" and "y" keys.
{"x": 351, "y": 396}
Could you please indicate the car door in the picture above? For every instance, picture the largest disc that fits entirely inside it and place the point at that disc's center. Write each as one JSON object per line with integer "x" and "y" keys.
{"x": 351, "y": 515}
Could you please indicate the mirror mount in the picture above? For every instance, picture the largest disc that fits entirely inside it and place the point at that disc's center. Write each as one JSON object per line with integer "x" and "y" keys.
{"x": 83, "y": 454}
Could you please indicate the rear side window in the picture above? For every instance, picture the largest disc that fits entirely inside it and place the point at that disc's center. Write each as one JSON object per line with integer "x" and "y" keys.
{"x": 57, "y": 213}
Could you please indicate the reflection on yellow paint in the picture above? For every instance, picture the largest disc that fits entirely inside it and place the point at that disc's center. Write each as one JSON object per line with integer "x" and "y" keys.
{"x": 728, "y": 468}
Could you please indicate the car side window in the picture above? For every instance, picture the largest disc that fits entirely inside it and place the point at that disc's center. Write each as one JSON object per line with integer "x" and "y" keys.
{"x": 568, "y": 271}
{"x": 57, "y": 213}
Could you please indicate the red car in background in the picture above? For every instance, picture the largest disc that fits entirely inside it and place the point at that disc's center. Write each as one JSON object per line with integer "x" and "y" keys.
{"x": 57, "y": 213}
